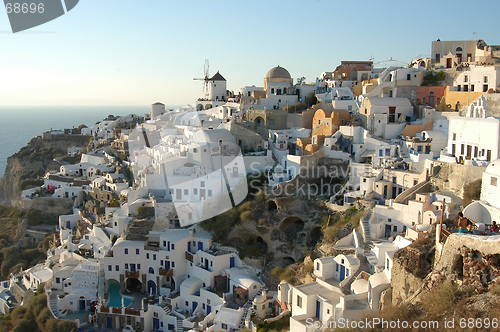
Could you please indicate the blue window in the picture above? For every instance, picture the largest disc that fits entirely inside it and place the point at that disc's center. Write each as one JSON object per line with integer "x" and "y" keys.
{"x": 137, "y": 251}
{"x": 126, "y": 251}
{"x": 117, "y": 267}
{"x": 154, "y": 257}
{"x": 110, "y": 268}
{"x": 151, "y": 270}
{"x": 387, "y": 152}
{"x": 380, "y": 153}
{"x": 58, "y": 280}
{"x": 336, "y": 267}
{"x": 147, "y": 255}
{"x": 126, "y": 266}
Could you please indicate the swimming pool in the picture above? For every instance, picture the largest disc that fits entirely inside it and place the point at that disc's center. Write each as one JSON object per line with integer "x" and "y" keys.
{"x": 115, "y": 297}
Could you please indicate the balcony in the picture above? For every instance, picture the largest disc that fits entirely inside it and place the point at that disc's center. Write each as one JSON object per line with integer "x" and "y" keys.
{"x": 116, "y": 310}
{"x": 130, "y": 274}
{"x": 134, "y": 312}
{"x": 166, "y": 272}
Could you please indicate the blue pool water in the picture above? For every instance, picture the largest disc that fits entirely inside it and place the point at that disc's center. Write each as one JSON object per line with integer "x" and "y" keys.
{"x": 115, "y": 297}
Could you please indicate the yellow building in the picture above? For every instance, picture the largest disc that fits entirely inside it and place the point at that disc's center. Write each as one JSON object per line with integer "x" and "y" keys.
{"x": 463, "y": 98}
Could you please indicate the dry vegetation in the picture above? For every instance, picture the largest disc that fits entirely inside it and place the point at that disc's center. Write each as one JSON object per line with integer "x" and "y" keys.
{"x": 34, "y": 317}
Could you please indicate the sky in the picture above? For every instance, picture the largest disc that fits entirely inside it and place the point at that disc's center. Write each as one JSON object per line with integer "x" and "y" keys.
{"x": 136, "y": 52}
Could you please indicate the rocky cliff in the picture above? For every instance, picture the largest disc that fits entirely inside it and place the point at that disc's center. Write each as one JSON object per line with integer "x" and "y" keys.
{"x": 454, "y": 279}
{"x": 34, "y": 160}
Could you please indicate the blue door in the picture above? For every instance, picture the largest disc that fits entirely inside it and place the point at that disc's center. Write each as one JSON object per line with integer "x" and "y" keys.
{"x": 156, "y": 324}
{"x": 318, "y": 308}
{"x": 195, "y": 304}
{"x": 132, "y": 267}
{"x": 82, "y": 305}
{"x": 209, "y": 309}
{"x": 342, "y": 272}
{"x": 109, "y": 322}
{"x": 387, "y": 231}
{"x": 206, "y": 264}
{"x": 231, "y": 262}
{"x": 200, "y": 245}
{"x": 167, "y": 265}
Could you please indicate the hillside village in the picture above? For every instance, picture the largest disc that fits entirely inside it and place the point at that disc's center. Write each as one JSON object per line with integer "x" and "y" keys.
{"x": 273, "y": 207}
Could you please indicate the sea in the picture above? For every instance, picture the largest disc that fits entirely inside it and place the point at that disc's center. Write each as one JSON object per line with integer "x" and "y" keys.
{"x": 18, "y": 125}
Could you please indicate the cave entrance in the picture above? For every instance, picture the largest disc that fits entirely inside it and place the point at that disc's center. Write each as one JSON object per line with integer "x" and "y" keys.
{"x": 271, "y": 206}
{"x": 458, "y": 265}
{"x": 291, "y": 226}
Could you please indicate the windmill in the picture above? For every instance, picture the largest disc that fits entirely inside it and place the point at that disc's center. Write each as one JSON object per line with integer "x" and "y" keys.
{"x": 205, "y": 79}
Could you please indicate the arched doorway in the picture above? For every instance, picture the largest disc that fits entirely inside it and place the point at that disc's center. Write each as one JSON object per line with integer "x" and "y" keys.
{"x": 133, "y": 285}
{"x": 259, "y": 122}
{"x": 151, "y": 288}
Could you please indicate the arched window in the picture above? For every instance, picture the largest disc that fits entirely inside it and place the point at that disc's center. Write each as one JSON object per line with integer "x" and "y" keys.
{"x": 459, "y": 49}
{"x": 151, "y": 270}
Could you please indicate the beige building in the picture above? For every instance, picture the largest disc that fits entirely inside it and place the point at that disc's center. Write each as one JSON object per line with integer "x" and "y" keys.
{"x": 450, "y": 54}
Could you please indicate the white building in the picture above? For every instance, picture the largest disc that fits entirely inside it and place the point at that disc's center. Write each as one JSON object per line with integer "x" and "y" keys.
{"x": 465, "y": 142}
{"x": 385, "y": 117}
{"x": 487, "y": 209}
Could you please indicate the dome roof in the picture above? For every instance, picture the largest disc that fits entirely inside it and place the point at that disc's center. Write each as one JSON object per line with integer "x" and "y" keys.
{"x": 278, "y": 72}
{"x": 494, "y": 167}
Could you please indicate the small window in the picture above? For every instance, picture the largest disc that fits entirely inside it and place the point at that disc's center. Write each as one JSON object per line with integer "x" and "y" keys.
{"x": 126, "y": 251}
{"x": 110, "y": 268}
{"x": 137, "y": 251}
{"x": 299, "y": 301}
{"x": 173, "y": 246}
{"x": 117, "y": 267}
{"x": 126, "y": 266}
{"x": 493, "y": 181}
{"x": 485, "y": 79}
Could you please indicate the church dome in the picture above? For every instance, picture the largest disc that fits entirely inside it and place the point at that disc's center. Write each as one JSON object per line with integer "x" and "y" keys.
{"x": 278, "y": 73}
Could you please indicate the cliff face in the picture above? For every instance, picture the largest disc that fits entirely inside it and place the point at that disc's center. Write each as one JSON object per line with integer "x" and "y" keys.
{"x": 33, "y": 161}
{"x": 464, "y": 277}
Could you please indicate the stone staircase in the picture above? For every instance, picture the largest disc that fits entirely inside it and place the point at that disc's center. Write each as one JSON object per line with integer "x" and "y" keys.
{"x": 52, "y": 304}
{"x": 179, "y": 326}
{"x": 166, "y": 308}
{"x": 365, "y": 227}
